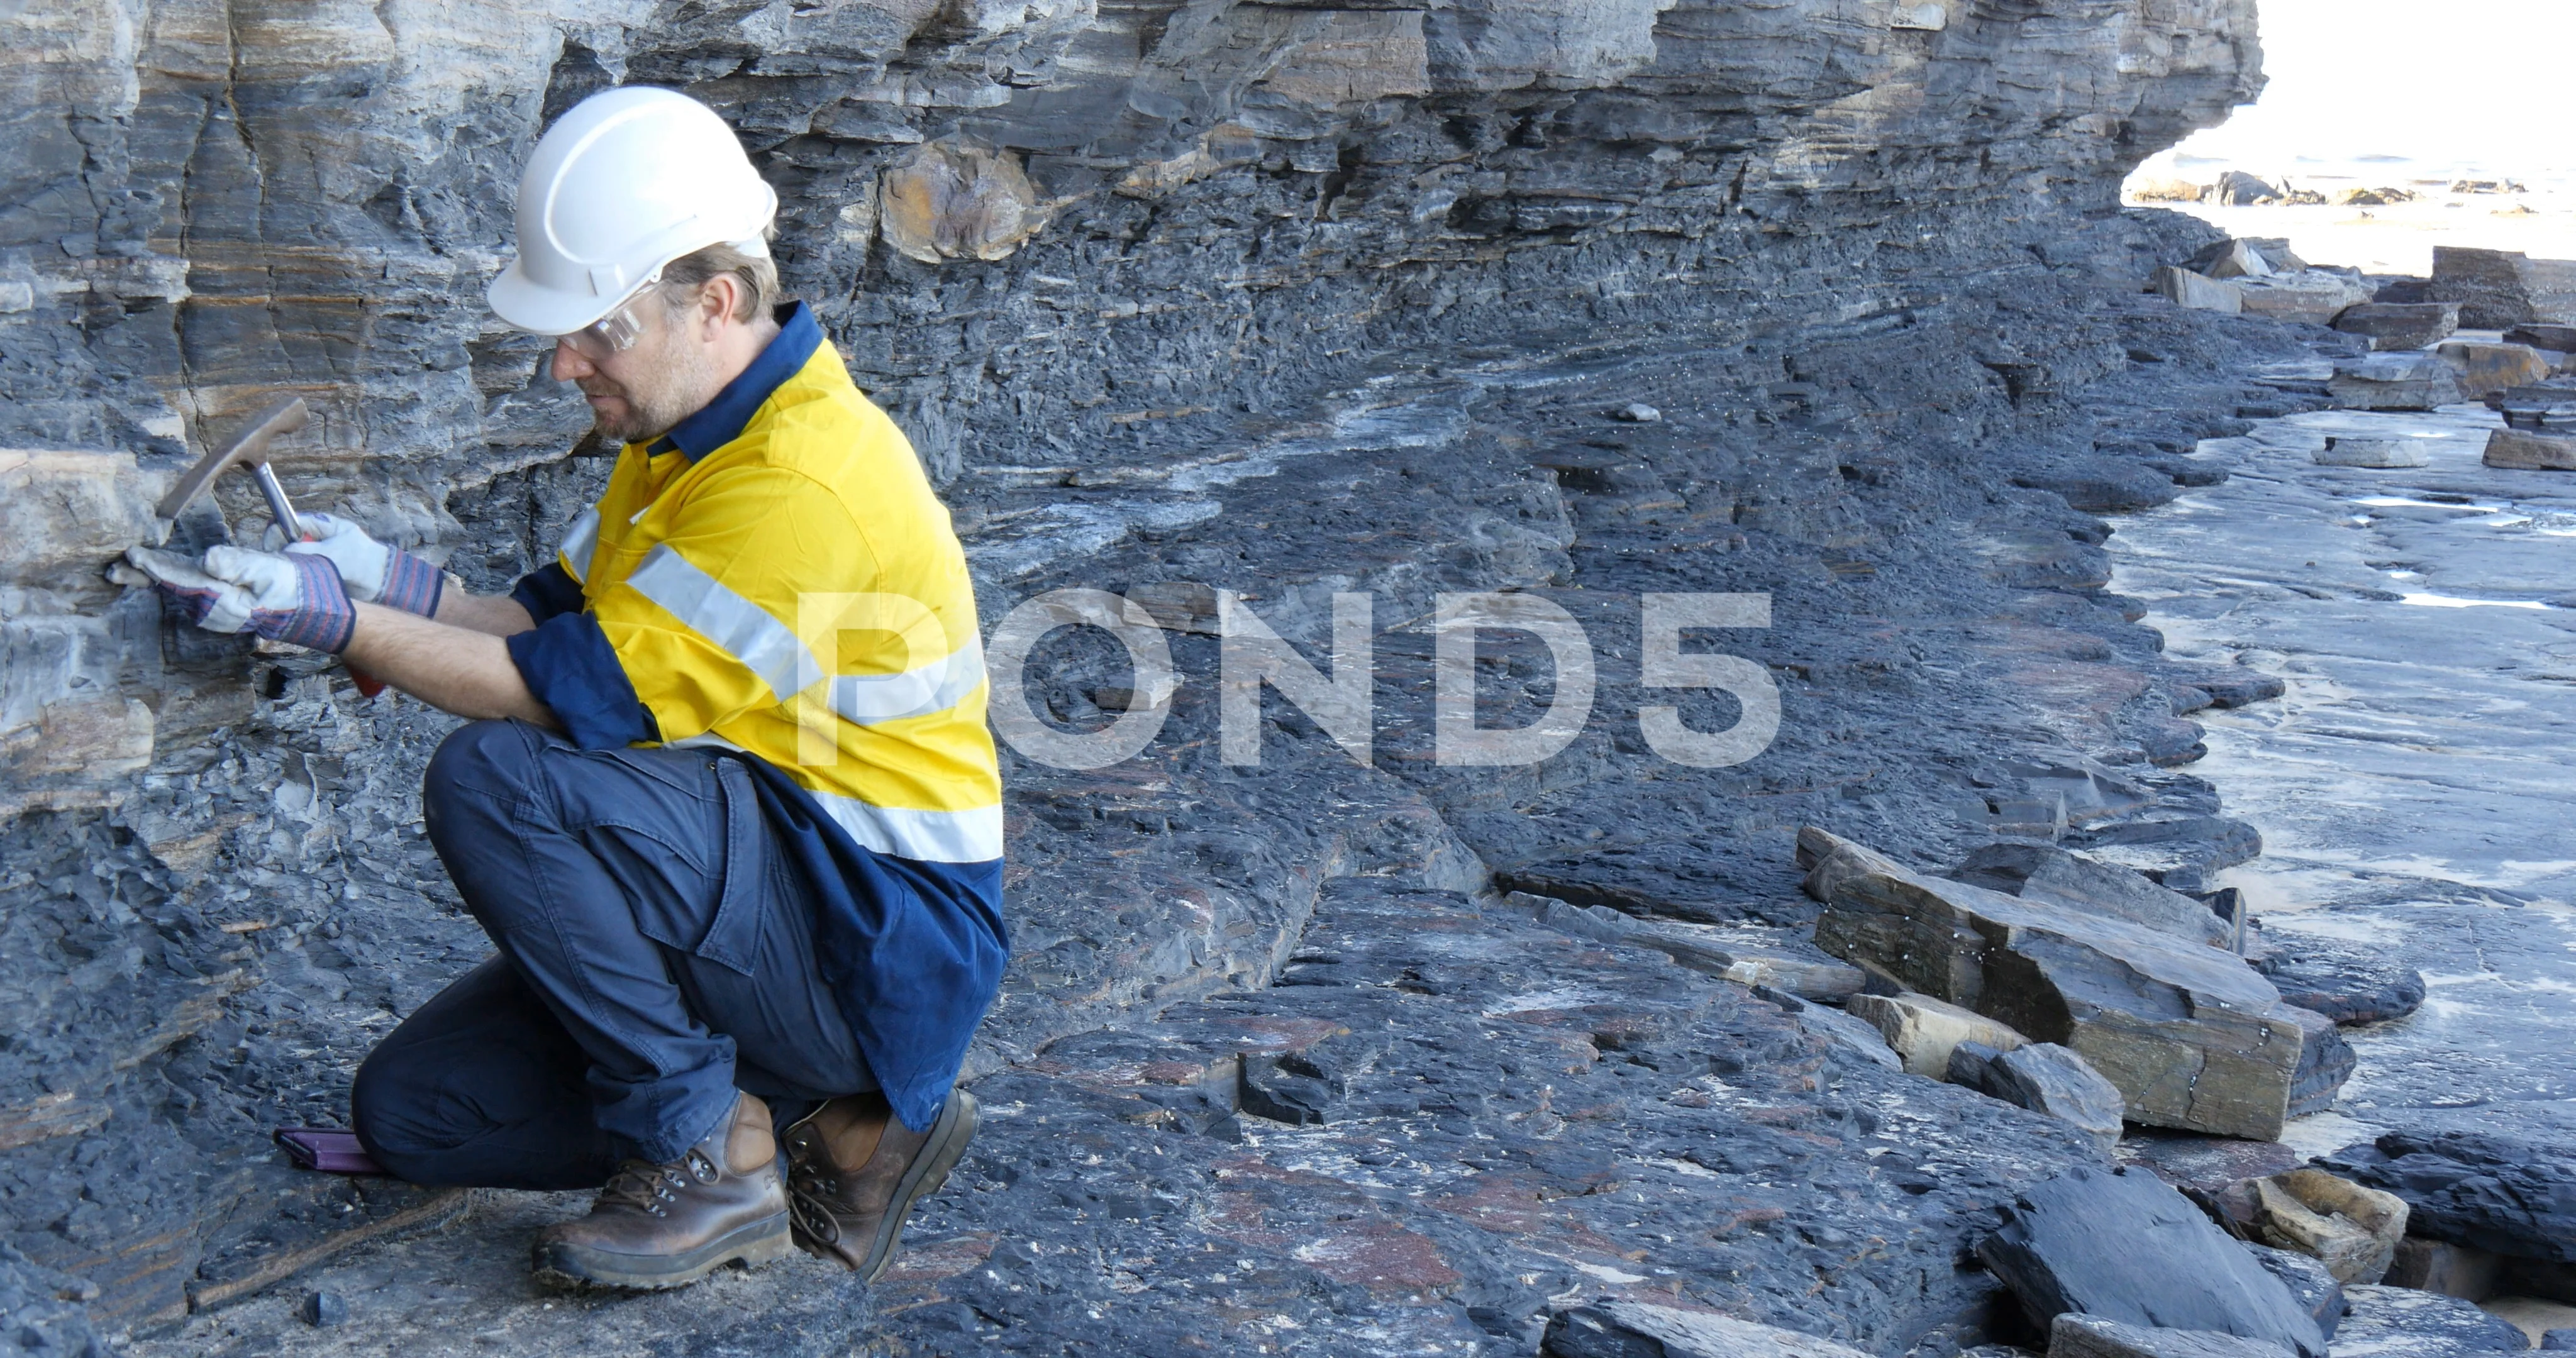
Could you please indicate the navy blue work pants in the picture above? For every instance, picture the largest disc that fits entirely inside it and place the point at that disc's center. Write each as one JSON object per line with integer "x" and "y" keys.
{"x": 656, "y": 955}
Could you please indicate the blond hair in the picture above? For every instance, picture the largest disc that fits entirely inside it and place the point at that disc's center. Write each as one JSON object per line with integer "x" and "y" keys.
{"x": 757, "y": 275}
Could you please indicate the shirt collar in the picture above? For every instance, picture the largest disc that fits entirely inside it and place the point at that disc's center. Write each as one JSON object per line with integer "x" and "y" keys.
{"x": 721, "y": 420}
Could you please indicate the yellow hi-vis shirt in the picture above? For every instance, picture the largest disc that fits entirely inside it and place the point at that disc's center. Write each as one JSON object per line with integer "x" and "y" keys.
{"x": 778, "y": 578}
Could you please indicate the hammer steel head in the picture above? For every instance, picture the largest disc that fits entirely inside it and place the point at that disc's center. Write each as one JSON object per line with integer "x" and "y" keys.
{"x": 251, "y": 449}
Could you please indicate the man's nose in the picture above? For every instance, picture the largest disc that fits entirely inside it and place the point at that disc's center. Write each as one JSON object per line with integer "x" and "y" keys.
{"x": 570, "y": 366}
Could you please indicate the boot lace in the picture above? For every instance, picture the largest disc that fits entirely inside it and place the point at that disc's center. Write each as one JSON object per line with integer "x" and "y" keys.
{"x": 811, "y": 1187}
{"x": 652, "y": 1188}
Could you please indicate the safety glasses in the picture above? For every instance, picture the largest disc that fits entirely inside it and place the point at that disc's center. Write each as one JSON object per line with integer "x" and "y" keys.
{"x": 616, "y": 332}
{"x": 610, "y": 335}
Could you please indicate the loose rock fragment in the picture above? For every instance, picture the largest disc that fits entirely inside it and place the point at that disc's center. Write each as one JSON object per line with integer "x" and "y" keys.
{"x": 2501, "y": 288}
{"x": 2199, "y": 292}
{"x": 2353, "y": 452}
{"x": 2044, "y": 1078}
{"x": 2232, "y": 259}
{"x": 2053, "y": 876}
{"x": 2313, "y": 296}
{"x": 2236, "y": 686}
{"x": 1631, "y": 1329}
{"x": 2523, "y": 450}
{"x": 2406, "y": 381}
{"x": 2400, "y": 325}
{"x": 2239, "y": 189}
{"x": 1637, "y": 412}
{"x": 2559, "y": 339}
{"x": 2350, "y": 1229}
{"x": 2343, "y": 983}
{"x": 2325, "y": 1062}
{"x": 2102, "y": 485}
{"x": 2544, "y": 409}
{"x": 1923, "y": 1030}
{"x": 2192, "y": 1036}
{"x": 2125, "y": 1246}
{"x": 2485, "y": 368}
{"x": 2075, "y": 1336}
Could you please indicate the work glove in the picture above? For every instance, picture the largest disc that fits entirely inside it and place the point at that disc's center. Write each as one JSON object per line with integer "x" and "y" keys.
{"x": 297, "y": 598}
{"x": 373, "y": 572}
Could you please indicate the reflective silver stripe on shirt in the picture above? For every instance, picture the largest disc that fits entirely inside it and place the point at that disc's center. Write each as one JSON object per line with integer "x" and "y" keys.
{"x": 737, "y": 626}
{"x": 865, "y": 699}
{"x": 579, "y": 542}
{"x": 925, "y": 836}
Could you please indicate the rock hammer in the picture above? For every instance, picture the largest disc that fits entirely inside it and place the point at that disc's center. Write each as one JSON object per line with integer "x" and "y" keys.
{"x": 251, "y": 450}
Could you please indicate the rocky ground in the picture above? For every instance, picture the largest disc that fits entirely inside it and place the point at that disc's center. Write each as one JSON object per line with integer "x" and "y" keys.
{"x": 1504, "y": 1115}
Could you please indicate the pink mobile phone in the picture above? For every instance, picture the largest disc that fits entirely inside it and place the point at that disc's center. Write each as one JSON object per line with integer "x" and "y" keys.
{"x": 332, "y": 1150}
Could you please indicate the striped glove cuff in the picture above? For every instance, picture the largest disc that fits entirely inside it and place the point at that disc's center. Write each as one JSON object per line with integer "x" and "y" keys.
{"x": 411, "y": 584}
{"x": 322, "y": 618}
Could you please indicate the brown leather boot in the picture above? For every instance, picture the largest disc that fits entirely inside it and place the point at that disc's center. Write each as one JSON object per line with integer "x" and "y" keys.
{"x": 670, "y": 1225}
{"x": 854, "y": 1171}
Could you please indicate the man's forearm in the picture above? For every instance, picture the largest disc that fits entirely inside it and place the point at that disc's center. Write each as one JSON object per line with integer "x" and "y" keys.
{"x": 501, "y": 617}
{"x": 455, "y": 669}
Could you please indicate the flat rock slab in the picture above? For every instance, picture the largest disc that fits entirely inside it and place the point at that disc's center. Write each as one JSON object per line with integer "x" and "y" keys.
{"x": 2075, "y": 1336}
{"x": 2189, "y": 1160}
{"x": 2396, "y": 381}
{"x": 2052, "y": 876}
{"x": 2400, "y": 325}
{"x": 2314, "y": 296}
{"x": 2379, "y": 453}
{"x": 1630, "y": 1329}
{"x": 2399, "y": 1322}
{"x": 2524, "y": 450}
{"x": 2340, "y": 981}
{"x": 2124, "y": 1245}
{"x": 2193, "y": 1037}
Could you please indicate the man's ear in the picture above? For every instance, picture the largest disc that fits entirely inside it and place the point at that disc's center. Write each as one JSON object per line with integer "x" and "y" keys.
{"x": 718, "y": 300}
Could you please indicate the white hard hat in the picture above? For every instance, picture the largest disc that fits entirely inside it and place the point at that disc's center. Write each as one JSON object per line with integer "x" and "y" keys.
{"x": 623, "y": 184}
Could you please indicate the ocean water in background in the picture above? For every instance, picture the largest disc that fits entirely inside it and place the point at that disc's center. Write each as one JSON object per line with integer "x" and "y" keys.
{"x": 2371, "y": 94}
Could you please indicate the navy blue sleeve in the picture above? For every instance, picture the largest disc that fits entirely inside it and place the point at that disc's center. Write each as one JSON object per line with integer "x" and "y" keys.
{"x": 548, "y": 593}
{"x": 572, "y": 669}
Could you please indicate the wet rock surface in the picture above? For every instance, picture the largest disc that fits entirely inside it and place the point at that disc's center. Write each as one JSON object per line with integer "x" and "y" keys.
{"x": 2392, "y": 802}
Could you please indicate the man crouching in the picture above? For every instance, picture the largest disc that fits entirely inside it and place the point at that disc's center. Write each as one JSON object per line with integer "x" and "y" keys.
{"x": 729, "y": 810}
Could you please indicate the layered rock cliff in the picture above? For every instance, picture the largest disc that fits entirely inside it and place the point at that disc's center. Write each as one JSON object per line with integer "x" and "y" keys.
{"x": 1114, "y": 268}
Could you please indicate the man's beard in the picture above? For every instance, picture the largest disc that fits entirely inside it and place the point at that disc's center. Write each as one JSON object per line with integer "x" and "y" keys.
{"x": 675, "y": 386}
